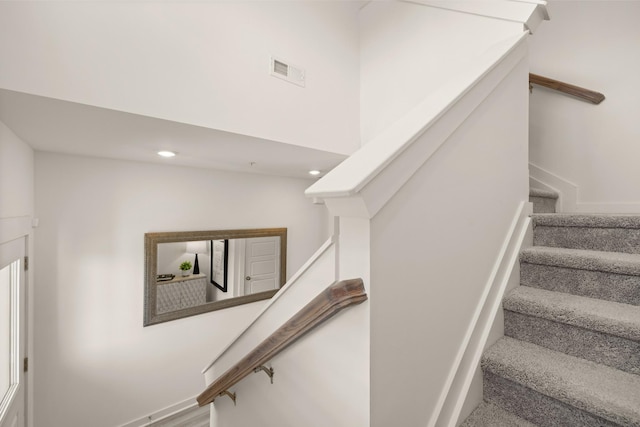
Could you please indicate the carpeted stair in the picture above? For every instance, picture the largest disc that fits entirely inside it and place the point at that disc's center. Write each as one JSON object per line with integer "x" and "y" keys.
{"x": 571, "y": 351}
{"x": 488, "y": 414}
{"x": 544, "y": 201}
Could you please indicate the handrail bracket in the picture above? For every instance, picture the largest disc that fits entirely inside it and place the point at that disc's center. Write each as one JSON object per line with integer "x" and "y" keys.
{"x": 333, "y": 299}
{"x": 268, "y": 371}
{"x": 232, "y": 396}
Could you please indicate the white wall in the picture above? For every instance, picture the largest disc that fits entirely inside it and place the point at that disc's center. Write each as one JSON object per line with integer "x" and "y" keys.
{"x": 16, "y": 175}
{"x": 202, "y": 63}
{"x": 407, "y": 51}
{"x": 320, "y": 380}
{"x": 97, "y": 364}
{"x": 593, "y": 44}
{"x": 171, "y": 255}
{"x": 433, "y": 247}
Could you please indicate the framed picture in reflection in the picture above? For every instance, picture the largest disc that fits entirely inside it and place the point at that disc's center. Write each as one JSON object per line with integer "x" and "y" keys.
{"x": 219, "y": 263}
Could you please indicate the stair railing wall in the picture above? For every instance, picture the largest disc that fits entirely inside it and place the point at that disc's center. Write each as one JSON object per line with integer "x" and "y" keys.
{"x": 332, "y": 357}
{"x": 323, "y": 255}
{"x": 328, "y": 303}
{"x": 440, "y": 189}
{"x": 422, "y": 215}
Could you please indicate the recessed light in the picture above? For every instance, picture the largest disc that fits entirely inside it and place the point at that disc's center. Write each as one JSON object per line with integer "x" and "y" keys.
{"x": 314, "y": 172}
{"x": 166, "y": 153}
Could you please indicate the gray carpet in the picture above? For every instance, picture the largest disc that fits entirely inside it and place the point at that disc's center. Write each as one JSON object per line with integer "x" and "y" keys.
{"x": 544, "y": 201}
{"x": 604, "y": 275}
{"x": 606, "y": 349}
{"x": 539, "y": 192}
{"x": 587, "y": 220}
{"x": 539, "y": 409}
{"x": 488, "y": 415}
{"x": 587, "y": 386}
{"x": 608, "y": 262}
{"x": 571, "y": 352}
{"x": 613, "y": 318}
{"x": 612, "y": 233}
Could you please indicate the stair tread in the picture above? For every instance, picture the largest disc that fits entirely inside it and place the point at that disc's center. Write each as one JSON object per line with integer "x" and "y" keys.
{"x": 586, "y": 220}
{"x": 603, "y": 391}
{"x": 609, "y": 317}
{"x": 539, "y": 192}
{"x": 490, "y": 415}
{"x": 608, "y": 262}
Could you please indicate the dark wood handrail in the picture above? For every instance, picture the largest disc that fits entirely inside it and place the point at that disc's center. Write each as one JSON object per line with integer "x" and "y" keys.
{"x": 329, "y": 302}
{"x": 580, "y": 92}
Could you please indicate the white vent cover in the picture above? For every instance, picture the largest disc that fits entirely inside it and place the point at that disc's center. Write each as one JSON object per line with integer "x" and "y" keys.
{"x": 286, "y": 71}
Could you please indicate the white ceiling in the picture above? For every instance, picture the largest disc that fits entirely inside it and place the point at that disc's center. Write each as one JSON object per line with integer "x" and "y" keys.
{"x": 53, "y": 125}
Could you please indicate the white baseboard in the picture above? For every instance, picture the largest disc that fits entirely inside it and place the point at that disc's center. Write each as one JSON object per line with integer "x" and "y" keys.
{"x": 461, "y": 375}
{"x": 608, "y": 208}
{"x": 567, "y": 191}
{"x": 162, "y": 413}
{"x": 568, "y": 200}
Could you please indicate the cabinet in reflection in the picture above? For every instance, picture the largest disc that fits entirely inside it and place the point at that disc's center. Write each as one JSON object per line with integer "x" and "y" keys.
{"x": 181, "y": 292}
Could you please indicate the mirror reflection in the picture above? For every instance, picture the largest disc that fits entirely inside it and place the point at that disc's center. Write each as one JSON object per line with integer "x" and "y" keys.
{"x": 220, "y": 269}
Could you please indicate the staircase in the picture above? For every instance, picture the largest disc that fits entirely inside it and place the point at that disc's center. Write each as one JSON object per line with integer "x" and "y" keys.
{"x": 544, "y": 201}
{"x": 571, "y": 351}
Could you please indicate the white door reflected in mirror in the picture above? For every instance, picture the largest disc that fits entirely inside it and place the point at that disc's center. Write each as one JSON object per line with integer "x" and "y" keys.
{"x": 262, "y": 259}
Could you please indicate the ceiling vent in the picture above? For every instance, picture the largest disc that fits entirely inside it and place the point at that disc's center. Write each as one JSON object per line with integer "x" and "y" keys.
{"x": 286, "y": 71}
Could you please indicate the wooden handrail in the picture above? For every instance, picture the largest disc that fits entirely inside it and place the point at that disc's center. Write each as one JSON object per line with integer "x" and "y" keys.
{"x": 329, "y": 302}
{"x": 580, "y": 92}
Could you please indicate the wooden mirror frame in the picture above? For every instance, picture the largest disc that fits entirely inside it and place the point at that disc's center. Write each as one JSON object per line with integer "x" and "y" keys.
{"x": 151, "y": 241}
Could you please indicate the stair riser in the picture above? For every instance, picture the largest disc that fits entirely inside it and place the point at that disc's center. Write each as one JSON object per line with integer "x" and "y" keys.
{"x": 593, "y": 284}
{"x": 490, "y": 415}
{"x": 543, "y": 204}
{"x": 606, "y": 349}
{"x": 536, "y": 407}
{"x": 626, "y": 240}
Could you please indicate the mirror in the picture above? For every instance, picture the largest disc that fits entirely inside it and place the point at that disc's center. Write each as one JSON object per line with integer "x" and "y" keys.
{"x": 194, "y": 272}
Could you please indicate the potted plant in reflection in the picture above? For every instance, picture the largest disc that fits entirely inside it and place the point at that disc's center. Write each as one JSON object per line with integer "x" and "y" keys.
{"x": 185, "y": 267}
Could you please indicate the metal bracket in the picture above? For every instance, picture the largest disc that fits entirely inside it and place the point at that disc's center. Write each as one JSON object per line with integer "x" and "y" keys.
{"x": 232, "y": 396}
{"x": 268, "y": 371}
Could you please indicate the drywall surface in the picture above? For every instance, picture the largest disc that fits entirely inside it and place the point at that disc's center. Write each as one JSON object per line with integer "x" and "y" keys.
{"x": 434, "y": 245}
{"x": 592, "y": 44}
{"x": 320, "y": 380}
{"x": 16, "y": 175}
{"x": 171, "y": 255}
{"x": 201, "y": 63}
{"x": 93, "y": 353}
{"x": 408, "y": 50}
